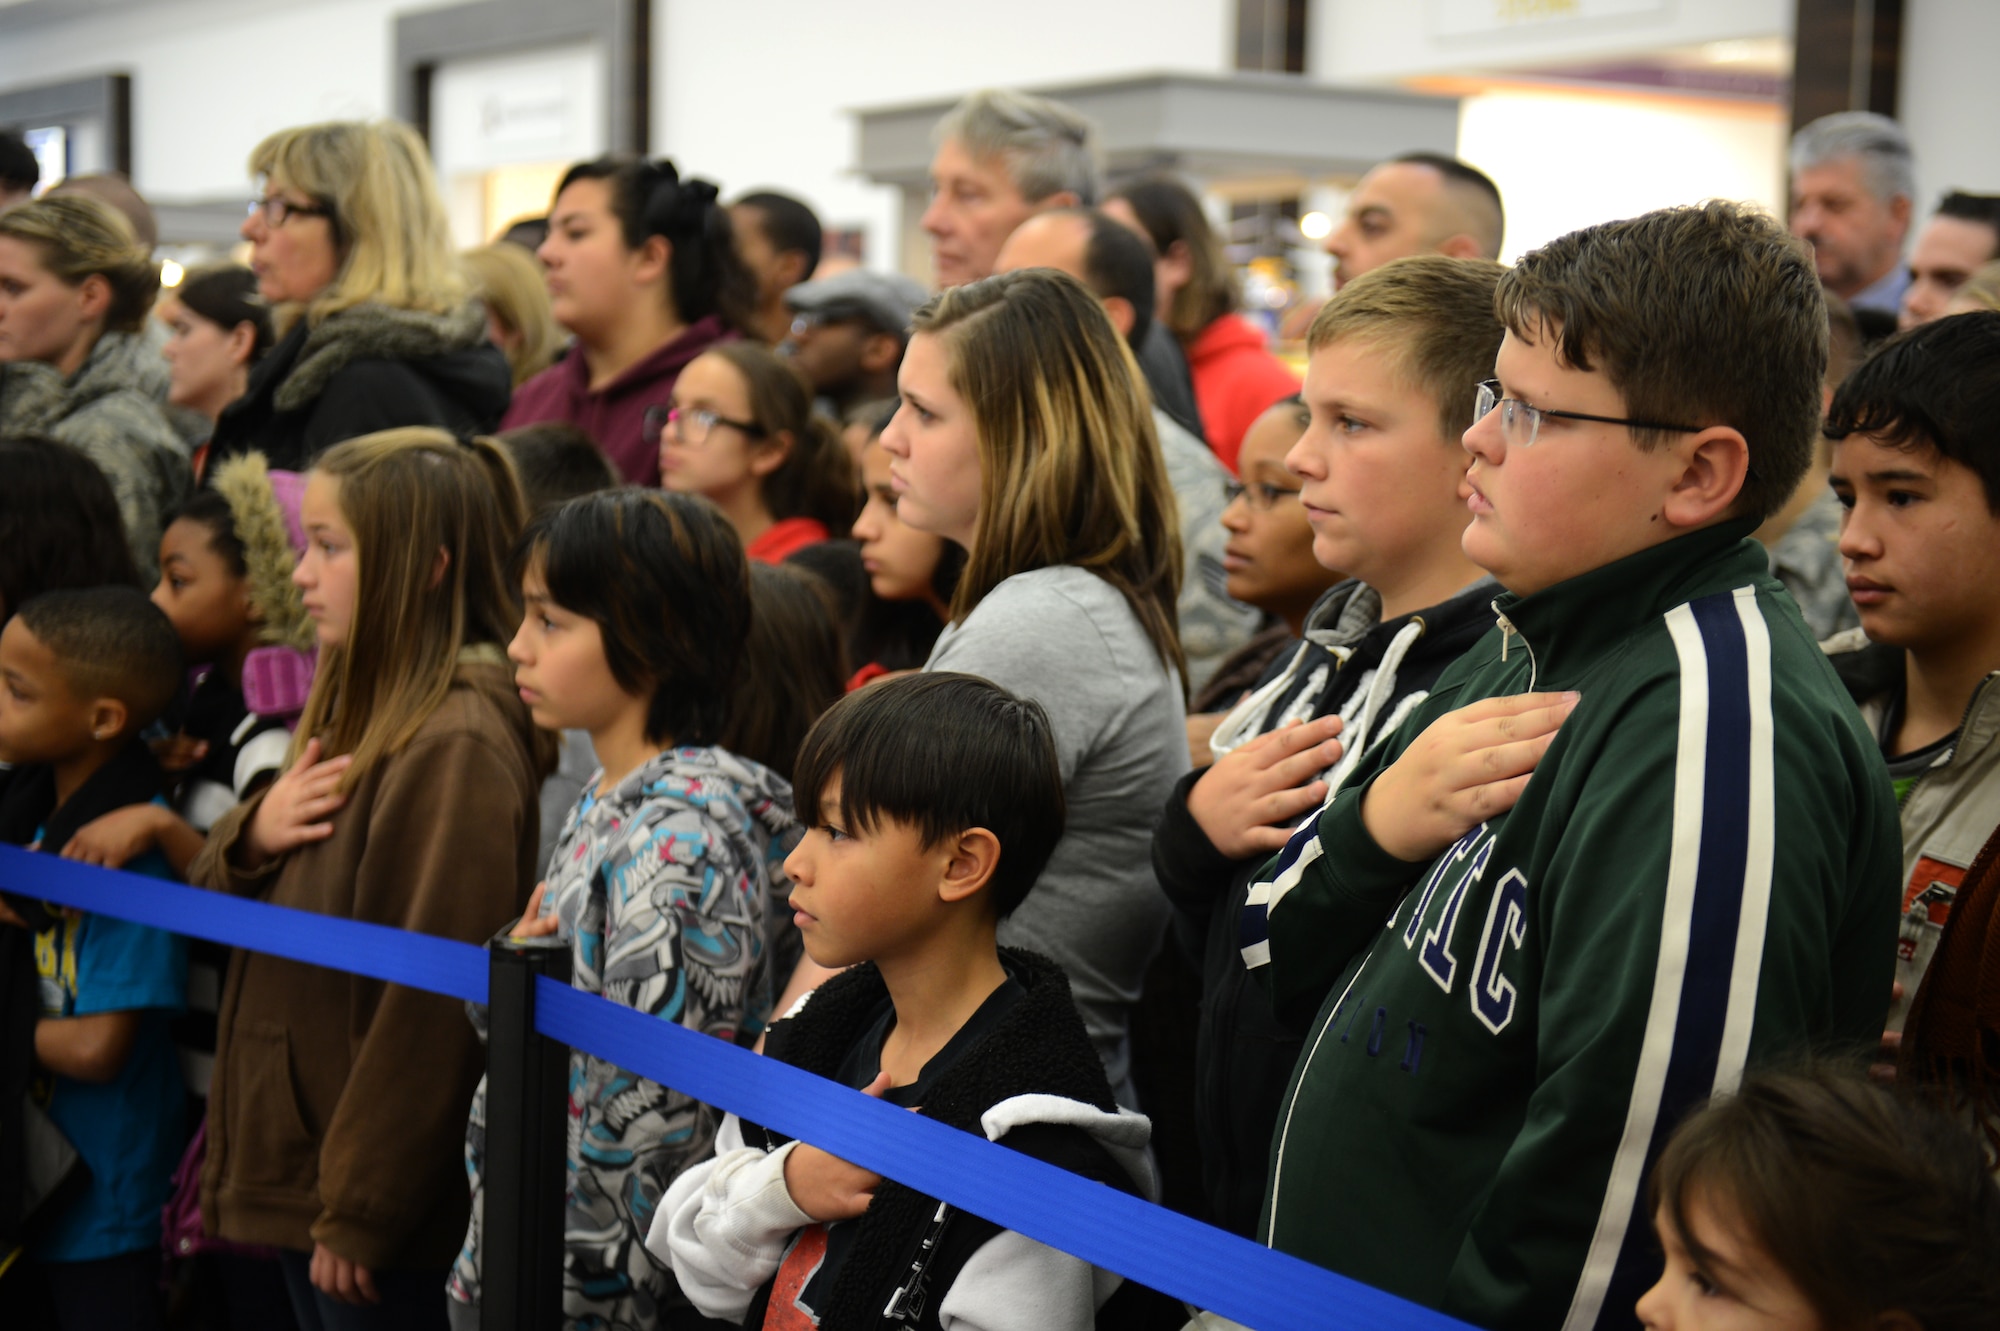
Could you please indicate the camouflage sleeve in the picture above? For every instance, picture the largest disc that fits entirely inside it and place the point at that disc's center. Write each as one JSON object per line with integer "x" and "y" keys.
{"x": 136, "y": 450}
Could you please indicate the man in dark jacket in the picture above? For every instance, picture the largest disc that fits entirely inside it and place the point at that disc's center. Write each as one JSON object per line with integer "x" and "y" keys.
{"x": 1392, "y": 357}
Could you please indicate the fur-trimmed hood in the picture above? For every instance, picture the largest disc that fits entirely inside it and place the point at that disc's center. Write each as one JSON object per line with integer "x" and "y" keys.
{"x": 31, "y": 397}
{"x": 376, "y": 332}
{"x": 34, "y": 396}
{"x": 270, "y": 549}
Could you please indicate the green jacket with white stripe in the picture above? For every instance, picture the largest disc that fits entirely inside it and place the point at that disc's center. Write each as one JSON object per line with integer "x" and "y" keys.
{"x": 1700, "y": 876}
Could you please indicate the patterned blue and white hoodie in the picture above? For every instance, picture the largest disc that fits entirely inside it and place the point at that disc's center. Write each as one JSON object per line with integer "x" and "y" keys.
{"x": 672, "y": 892}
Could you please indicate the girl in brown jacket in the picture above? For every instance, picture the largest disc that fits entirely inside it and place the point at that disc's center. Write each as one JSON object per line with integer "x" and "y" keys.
{"x": 339, "y": 1102}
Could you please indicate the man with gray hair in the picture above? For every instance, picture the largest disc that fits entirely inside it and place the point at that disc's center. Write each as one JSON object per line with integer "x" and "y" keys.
{"x": 1853, "y": 179}
{"x": 1002, "y": 157}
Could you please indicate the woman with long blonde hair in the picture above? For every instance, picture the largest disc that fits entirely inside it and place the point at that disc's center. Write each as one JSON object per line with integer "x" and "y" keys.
{"x": 519, "y": 319}
{"x": 1026, "y": 436}
{"x": 412, "y": 800}
{"x": 376, "y": 325}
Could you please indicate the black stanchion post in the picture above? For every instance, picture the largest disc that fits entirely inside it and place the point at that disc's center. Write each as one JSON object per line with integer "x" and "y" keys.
{"x": 527, "y": 1089}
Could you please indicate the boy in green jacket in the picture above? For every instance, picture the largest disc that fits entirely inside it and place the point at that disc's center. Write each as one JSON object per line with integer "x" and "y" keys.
{"x": 1550, "y": 912}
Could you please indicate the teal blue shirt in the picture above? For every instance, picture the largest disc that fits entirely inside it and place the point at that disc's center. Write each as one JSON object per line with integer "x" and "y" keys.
{"x": 131, "y": 1129}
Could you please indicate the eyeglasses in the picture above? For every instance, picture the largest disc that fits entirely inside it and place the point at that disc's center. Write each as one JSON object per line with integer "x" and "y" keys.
{"x": 1262, "y": 496}
{"x": 276, "y": 210}
{"x": 692, "y": 427}
{"x": 1520, "y": 423}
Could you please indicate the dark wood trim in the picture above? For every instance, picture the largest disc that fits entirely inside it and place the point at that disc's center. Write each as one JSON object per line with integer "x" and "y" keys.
{"x": 641, "y": 98}
{"x": 1846, "y": 56}
{"x": 118, "y": 123}
{"x": 105, "y": 98}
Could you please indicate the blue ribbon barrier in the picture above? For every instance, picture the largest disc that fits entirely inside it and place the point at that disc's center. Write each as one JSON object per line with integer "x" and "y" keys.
{"x": 1204, "y": 1266}
{"x": 438, "y": 965}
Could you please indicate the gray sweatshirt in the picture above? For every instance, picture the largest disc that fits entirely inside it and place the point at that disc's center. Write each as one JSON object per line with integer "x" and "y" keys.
{"x": 1066, "y": 638}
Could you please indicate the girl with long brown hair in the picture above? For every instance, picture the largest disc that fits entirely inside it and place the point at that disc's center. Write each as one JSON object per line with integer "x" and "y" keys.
{"x": 1025, "y": 435}
{"x": 338, "y": 1102}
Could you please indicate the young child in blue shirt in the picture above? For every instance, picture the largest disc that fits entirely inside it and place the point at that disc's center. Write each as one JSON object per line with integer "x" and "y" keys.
{"x": 81, "y": 673}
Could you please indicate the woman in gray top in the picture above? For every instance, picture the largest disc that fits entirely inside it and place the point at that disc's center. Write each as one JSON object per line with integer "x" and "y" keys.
{"x": 1025, "y": 436}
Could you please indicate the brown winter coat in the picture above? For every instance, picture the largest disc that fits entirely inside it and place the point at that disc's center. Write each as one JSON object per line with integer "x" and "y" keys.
{"x": 338, "y": 1108}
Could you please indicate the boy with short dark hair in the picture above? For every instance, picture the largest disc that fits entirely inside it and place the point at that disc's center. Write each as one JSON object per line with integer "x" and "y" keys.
{"x": 557, "y": 462}
{"x": 1549, "y": 915}
{"x": 1917, "y": 469}
{"x": 933, "y": 803}
{"x": 1380, "y": 466}
{"x": 81, "y": 673}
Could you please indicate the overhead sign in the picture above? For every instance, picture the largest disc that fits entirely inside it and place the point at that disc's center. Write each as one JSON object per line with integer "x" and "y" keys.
{"x": 548, "y": 106}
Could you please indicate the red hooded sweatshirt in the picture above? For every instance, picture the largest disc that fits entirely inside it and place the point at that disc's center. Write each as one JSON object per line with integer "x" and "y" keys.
{"x": 1235, "y": 379}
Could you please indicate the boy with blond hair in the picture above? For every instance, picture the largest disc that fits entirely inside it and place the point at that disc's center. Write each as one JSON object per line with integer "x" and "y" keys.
{"x": 1380, "y": 467}
{"x": 1547, "y": 917}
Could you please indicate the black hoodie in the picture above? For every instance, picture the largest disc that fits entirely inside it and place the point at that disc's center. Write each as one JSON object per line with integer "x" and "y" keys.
{"x": 1371, "y": 673}
{"x": 365, "y": 369}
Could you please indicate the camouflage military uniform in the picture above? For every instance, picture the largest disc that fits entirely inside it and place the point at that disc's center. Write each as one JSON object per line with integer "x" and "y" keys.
{"x": 110, "y": 411}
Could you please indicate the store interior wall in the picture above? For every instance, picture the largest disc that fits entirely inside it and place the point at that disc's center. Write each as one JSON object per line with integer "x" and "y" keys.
{"x": 1644, "y": 152}
{"x": 212, "y": 77}
{"x": 757, "y": 92}
{"x": 1362, "y": 41}
{"x": 1950, "y": 97}
{"x": 753, "y": 91}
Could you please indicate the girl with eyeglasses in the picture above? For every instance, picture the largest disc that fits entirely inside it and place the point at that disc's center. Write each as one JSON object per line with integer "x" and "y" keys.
{"x": 376, "y": 326}
{"x": 740, "y": 430}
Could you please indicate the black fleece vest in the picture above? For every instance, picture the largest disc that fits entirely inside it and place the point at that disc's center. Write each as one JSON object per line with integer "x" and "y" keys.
{"x": 906, "y": 1242}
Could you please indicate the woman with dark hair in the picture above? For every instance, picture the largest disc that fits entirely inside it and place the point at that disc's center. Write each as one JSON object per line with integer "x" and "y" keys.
{"x": 642, "y": 268}
{"x": 218, "y": 327}
{"x": 1235, "y": 375}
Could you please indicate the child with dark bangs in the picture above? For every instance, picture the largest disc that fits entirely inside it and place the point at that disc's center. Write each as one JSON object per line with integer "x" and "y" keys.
{"x": 665, "y": 877}
{"x": 934, "y": 801}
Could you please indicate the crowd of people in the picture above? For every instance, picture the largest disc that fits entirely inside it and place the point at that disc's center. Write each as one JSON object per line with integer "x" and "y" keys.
{"x": 1508, "y": 815}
